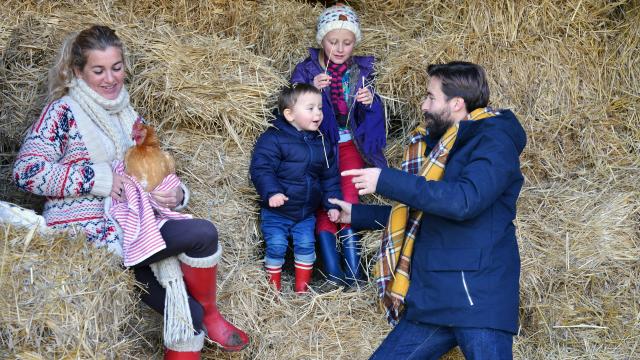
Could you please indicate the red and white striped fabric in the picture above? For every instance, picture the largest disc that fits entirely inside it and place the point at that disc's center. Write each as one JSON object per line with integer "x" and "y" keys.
{"x": 141, "y": 218}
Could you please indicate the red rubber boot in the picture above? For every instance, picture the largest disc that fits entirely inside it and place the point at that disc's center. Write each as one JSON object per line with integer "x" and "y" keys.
{"x": 275, "y": 276}
{"x": 200, "y": 279}
{"x": 303, "y": 275}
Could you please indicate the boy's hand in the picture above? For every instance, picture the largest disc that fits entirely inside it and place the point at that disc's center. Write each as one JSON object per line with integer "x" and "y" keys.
{"x": 334, "y": 215}
{"x": 321, "y": 81}
{"x": 364, "y": 96}
{"x": 277, "y": 200}
{"x": 345, "y": 214}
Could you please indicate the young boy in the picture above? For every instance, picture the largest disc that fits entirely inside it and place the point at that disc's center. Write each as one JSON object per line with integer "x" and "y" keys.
{"x": 294, "y": 172}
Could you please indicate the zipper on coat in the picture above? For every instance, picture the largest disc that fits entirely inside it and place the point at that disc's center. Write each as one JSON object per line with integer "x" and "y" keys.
{"x": 326, "y": 159}
{"x": 306, "y": 177}
{"x": 466, "y": 289}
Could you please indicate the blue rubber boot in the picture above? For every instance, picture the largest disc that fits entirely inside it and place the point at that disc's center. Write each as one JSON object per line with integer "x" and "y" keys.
{"x": 351, "y": 248}
{"x": 330, "y": 257}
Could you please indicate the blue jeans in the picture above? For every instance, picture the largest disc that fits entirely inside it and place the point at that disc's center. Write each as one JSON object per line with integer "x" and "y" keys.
{"x": 413, "y": 340}
{"x": 276, "y": 230}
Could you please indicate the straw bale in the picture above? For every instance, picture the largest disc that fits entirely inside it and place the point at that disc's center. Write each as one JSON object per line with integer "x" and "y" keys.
{"x": 207, "y": 71}
{"x": 205, "y": 83}
{"x": 279, "y": 31}
{"x": 23, "y": 88}
{"x": 63, "y": 298}
{"x": 579, "y": 242}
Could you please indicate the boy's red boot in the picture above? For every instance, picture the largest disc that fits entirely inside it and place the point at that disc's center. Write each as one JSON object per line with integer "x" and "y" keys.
{"x": 303, "y": 276}
{"x": 200, "y": 279}
{"x": 275, "y": 276}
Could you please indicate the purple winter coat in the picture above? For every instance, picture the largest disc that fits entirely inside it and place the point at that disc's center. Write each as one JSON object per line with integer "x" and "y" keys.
{"x": 368, "y": 129}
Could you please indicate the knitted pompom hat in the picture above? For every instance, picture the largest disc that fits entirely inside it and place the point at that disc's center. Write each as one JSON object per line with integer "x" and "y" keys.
{"x": 336, "y": 17}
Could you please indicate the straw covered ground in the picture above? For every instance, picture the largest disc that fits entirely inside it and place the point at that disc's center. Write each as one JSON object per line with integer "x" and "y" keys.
{"x": 207, "y": 72}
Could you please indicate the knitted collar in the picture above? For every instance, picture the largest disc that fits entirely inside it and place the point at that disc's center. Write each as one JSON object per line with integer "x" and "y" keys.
{"x": 100, "y": 110}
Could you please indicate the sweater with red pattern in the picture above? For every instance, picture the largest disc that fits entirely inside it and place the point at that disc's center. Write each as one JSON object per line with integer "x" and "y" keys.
{"x": 67, "y": 158}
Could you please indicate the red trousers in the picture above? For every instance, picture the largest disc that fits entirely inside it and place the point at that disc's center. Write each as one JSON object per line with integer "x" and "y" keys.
{"x": 348, "y": 158}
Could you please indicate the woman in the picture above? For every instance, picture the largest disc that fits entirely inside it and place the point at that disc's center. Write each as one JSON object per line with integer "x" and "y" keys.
{"x": 67, "y": 156}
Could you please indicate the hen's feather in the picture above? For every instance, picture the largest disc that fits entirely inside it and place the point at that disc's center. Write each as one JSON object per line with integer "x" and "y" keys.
{"x": 147, "y": 162}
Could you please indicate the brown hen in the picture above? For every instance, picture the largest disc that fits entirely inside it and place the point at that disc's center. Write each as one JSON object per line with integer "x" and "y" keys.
{"x": 145, "y": 160}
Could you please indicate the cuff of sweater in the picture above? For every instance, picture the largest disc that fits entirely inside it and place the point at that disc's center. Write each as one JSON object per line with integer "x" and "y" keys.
{"x": 205, "y": 262}
{"x": 193, "y": 344}
{"x": 185, "y": 199}
{"x": 103, "y": 179}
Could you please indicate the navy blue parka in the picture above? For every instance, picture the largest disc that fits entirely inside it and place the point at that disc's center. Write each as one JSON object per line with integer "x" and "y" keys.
{"x": 298, "y": 164}
{"x": 465, "y": 264}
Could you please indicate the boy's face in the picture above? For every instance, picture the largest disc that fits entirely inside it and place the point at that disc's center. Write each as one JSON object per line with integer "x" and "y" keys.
{"x": 306, "y": 113}
{"x": 339, "y": 45}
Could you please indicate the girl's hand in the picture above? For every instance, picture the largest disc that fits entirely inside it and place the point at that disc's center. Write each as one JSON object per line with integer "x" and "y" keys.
{"x": 117, "y": 187}
{"x": 277, "y": 200}
{"x": 321, "y": 81}
{"x": 364, "y": 96}
{"x": 170, "y": 198}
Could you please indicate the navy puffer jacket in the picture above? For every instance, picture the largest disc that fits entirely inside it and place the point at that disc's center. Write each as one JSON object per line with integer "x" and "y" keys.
{"x": 298, "y": 164}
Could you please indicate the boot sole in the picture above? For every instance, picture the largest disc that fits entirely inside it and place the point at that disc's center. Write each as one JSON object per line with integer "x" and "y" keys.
{"x": 227, "y": 348}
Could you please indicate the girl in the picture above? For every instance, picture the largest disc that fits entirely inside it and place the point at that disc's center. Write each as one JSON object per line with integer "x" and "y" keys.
{"x": 353, "y": 124}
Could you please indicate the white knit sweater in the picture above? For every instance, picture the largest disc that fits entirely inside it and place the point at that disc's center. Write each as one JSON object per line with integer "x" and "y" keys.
{"x": 67, "y": 158}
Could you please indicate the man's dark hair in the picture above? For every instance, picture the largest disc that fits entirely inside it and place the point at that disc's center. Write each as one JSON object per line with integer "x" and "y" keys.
{"x": 463, "y": 79}
{"x": 289, "y": 95}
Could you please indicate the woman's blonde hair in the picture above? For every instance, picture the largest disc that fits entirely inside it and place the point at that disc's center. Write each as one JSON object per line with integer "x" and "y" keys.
{"x": 73, "y": 55}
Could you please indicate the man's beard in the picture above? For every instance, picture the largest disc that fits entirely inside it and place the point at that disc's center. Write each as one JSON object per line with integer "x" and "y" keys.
{"x": 437, "y": 124}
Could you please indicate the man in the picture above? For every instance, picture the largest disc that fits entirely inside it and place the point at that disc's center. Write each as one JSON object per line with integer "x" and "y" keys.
{"x": 464, "y": 264}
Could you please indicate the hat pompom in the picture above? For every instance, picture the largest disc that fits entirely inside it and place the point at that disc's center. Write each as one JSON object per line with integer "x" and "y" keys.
{"x": 338, "y": 17}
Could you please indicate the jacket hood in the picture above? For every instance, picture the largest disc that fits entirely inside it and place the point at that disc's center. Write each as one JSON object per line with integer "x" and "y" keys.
{"x": 506, "y": 121}
{"x": 282, "y": 124}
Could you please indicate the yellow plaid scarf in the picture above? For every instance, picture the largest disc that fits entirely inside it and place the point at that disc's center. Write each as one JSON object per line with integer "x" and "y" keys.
{"x": 392, "y": 270}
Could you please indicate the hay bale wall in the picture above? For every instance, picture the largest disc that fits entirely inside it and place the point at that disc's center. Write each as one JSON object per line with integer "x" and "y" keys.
{"x": 206, "y": 72}
{"x": 63, "y": 298}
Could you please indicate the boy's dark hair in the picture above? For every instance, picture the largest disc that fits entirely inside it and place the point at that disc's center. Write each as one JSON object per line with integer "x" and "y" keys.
{"x": 289, "y": 95}
{"x": 463, "y": 79}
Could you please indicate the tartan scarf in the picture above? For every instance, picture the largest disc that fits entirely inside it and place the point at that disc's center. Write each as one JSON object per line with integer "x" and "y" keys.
{"x": 337, "y": 91}
{"x": 392, "y": 271}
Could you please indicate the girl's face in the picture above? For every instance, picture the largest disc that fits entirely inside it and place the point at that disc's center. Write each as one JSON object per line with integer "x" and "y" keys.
{"x": 104, "y": 72}
{"x": 338, "y": 45}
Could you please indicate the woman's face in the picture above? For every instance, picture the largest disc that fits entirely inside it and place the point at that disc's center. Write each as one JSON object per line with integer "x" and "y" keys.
{"x": 104, "y": 72}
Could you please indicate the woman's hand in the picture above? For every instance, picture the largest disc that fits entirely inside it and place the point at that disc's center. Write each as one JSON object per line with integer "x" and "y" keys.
{"x": 117, "y": 187}
{"x": 364, "y": 96}
{"x": 321, "y": 81}
{"x": 170, "y": 198}
{"x": 345, "y": 211}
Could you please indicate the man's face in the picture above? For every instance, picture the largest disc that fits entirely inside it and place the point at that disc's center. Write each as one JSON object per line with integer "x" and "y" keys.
{"x": 436, "y": 109}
